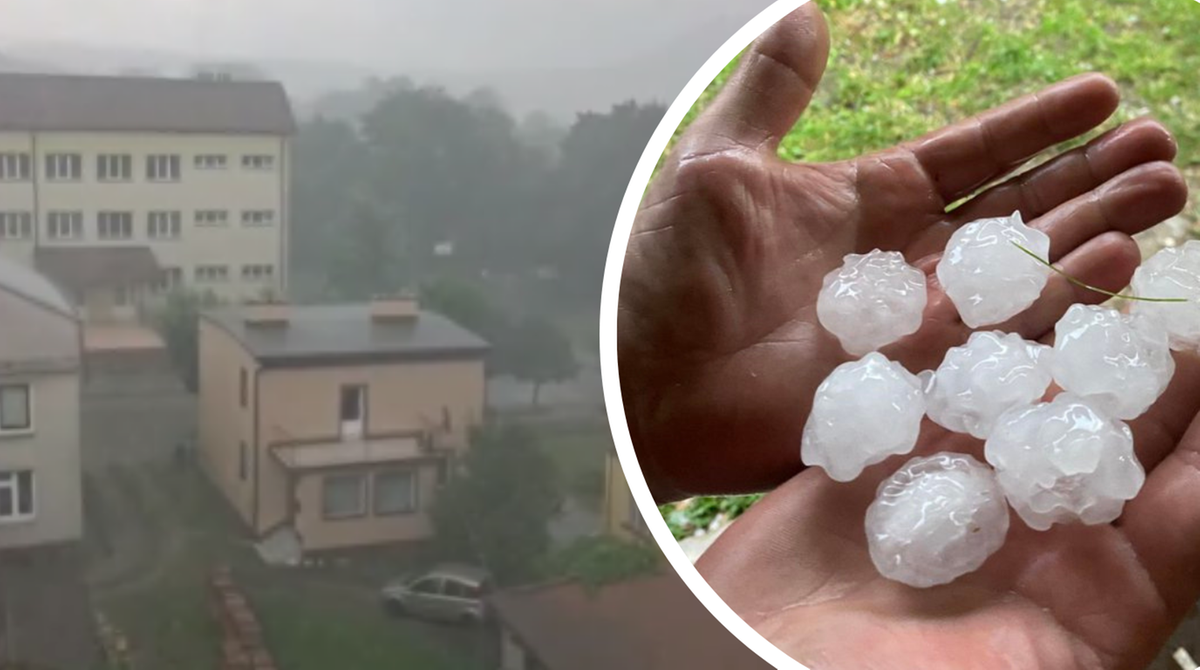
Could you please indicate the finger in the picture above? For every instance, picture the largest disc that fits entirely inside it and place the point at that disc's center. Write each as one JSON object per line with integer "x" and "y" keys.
{"x": 1156, "y": 432}
{"x": 770, "y": 88}
{"x": 1106, "y": 262}
{"x": 1074, "y": 173}
{"x": 1163, "y": 524}
{"x": 962, "y": 157}
{"x": 1130, "y": 203}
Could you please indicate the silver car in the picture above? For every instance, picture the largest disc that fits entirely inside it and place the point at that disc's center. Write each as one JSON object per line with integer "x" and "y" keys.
{"x": 449, "y": 592}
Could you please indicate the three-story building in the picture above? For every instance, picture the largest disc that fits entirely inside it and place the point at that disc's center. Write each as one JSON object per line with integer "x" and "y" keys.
{"x": 118, "y": 187}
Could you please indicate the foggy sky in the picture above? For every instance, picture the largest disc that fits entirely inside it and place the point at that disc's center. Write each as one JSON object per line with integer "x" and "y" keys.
{"x": 388, "y": 34}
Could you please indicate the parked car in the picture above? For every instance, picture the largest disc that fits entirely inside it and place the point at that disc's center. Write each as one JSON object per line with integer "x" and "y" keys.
{"x": 449, "y": 592}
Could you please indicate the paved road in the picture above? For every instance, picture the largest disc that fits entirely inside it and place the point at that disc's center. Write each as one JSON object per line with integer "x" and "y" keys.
{"x": 135, "y": 422}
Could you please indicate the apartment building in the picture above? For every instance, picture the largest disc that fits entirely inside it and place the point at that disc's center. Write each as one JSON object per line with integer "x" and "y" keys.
{"x": 118, "y": 187}
{"x": 335, "y": 425}
{"x": 40, "y": 362}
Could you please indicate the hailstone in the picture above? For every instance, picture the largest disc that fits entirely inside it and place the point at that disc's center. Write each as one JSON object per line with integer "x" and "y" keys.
{"x": 989, "y": 279}
{"x": 1172, "y": 273}
{"x": 977, "y": 382}
{"x": 864, "y": 411}
{"x": 872, "y": 300}
{"x": 1119, "y": 362}
{"x": 936, "y": 519}
{"x": 1064, "y": 460}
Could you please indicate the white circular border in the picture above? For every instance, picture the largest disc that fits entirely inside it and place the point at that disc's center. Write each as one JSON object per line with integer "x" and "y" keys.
{"x": 608, "y": 333}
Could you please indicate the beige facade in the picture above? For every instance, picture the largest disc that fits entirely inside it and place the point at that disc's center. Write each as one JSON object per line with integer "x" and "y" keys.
{"x": 621, "y": 516}
{"x": 245, "y": 238}
{"x": 416, "y": 413}
{"x": 40, "y": 487}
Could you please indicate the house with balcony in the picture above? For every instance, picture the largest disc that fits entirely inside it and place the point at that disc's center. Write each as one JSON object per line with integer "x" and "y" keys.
{"x": 333, "y": 426}
{"x": 120, "y": 187}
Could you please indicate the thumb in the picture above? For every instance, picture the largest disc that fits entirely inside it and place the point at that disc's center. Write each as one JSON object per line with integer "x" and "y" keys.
{"x": 772, "y": 85}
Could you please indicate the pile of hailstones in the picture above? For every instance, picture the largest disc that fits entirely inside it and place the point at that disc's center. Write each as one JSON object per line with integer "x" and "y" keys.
{"x": 1069, "y": 459}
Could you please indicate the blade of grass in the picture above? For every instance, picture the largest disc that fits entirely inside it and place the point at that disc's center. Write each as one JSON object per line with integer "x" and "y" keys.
{"x": 1089, "y": 287}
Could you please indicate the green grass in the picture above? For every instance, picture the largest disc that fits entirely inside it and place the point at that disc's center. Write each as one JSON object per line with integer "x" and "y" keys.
{"x": 901, "y": 68}
{"x": 312, "y": 621}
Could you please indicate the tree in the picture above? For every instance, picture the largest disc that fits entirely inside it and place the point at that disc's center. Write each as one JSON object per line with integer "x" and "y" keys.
{"x": 367, "y": 262}
{"x": 495, "y": 510}
{"x": 178, "y": 323}
{"x": 537, "y": 351}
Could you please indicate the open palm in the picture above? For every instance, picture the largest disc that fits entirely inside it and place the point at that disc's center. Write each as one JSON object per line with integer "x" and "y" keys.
{"x": 720, "y": 353}
{"x": 719, "y": 346}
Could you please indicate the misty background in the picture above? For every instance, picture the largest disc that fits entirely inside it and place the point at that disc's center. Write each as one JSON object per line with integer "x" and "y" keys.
{"x": 548, "y": 55}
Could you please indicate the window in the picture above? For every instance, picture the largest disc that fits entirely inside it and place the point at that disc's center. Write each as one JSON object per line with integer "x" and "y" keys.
{"x": 64, "y": 225}
{"x": 163, "y": 225}
{"x": 16, "y": 225}
{"x": 115, "y": 225}
{"x": 124, "y": 296}
{"x": 210, "y": 162}
{"x": 169, "y": 279}
{"x": 16, "y": 495}
{"x": 212, "y": 273}
{"x": 64, "y": 167}
{"x": 15, "y": 414}
{"x": 243, "y": 387}
{"x": 343, "y": 496}
{"x": 257, "y": 272}
{"x": 162, "y": 167}
{"x": 429, "y": 586}
{"x": 353, "y": 409}
{"x": 258, "y": 217}
{"x": 243, "y": 461}
{"x": 395, "y": 492}
{"x": 114, "y": 167}
{"x": 258, "y": 162}
{"x": 14, "y": 167}
{"x": 212, "y": 217}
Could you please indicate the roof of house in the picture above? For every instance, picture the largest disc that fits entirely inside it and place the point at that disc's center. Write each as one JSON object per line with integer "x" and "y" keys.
{"x": 46, "y": 102}
{"x": 315, "y": 334}
{"x": 28, "y": 284}
{"x": 650, "y": 623}
{"x": 76, "y": 268}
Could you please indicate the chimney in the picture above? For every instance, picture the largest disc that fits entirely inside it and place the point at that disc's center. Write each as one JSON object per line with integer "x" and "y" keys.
{"x": 266, "y": 312}
{"x": 400, "y": 306}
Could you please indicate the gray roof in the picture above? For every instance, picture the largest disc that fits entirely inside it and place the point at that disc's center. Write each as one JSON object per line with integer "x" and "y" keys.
{"x": 335, "y": 333}
{"x": 23, "y": 281}
{"x": 41, "y": 102}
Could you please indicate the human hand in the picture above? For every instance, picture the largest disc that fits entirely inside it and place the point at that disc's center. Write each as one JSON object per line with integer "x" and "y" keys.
{"x": 796, "y": 568}
{"x": 719, "y": 347}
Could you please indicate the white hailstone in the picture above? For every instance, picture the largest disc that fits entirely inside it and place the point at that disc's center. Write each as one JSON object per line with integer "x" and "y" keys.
{"x": 989, "y": 279}
{"x": 872, "y": 300}
{"x": 1063, "y": 461}
{"x": 989, "y": 375}
{"x": 937, "y": 518}
{"x": 1120, "y": 363}
{"x": 1172, "y": 273}
{"x": 864, "y": 411}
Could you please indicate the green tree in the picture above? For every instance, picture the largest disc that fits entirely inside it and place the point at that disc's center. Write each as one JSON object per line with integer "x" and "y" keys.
{"x": 368, "y": 261}
{"x": 495, "y": 510}
{"x": 178, "y": 323}
{"x": 537, "y": 351}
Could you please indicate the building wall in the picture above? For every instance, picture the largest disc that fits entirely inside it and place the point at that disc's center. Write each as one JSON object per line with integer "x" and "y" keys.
{"x": 317, "y": 533}
{"x": 234, "y": 189}
{"x": 303, "y": 403}
{"x": 40, "y": 348}
{"x": 618, "y": 500}
{"x": 223, "y": 423}
{"x": 512, "y": 654}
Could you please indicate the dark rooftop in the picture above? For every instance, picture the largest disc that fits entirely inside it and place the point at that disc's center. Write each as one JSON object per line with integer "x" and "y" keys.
{"x": 41, "y": 102}
{"x": 651, "y": 623}
{"x": 77, "y": 268}
{"x": 334, "y": 333}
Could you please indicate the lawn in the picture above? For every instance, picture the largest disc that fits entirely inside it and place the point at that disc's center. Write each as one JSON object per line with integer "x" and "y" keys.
{"x": 900, "y": 68}
{"x": 312, "y": 620}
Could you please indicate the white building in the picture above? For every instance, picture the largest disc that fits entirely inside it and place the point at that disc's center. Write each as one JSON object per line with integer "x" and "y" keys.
{"x": 118, "y": 186}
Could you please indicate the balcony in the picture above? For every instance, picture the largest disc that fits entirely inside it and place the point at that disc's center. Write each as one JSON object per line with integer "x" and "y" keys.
{"x": 333, "y": 452}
